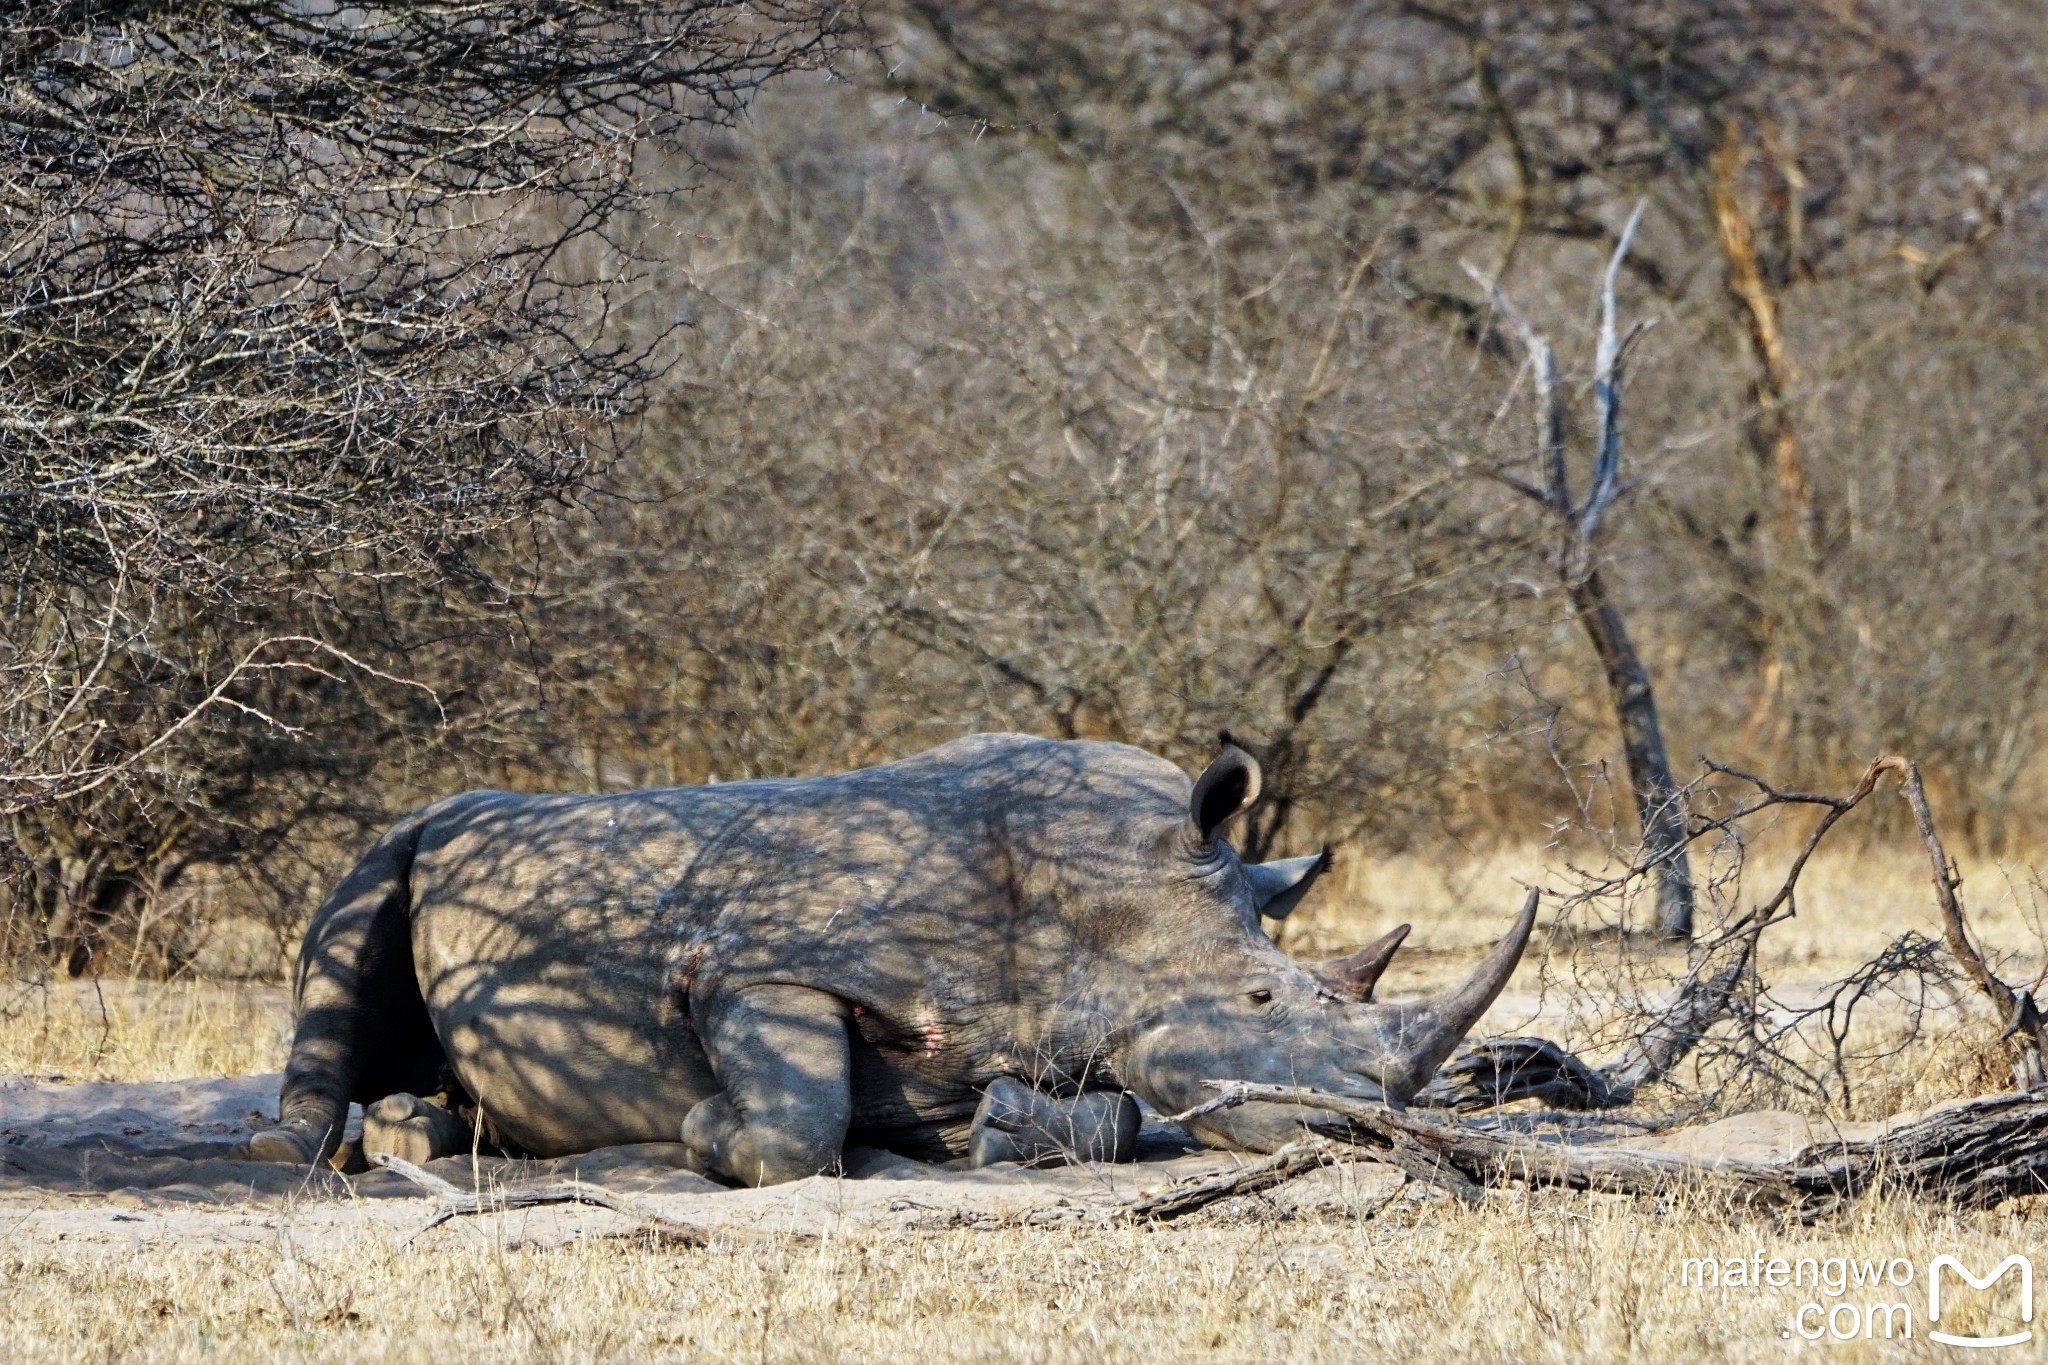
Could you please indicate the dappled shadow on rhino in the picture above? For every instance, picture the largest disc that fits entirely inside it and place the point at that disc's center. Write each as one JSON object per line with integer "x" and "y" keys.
{"x": 773, "y": 969}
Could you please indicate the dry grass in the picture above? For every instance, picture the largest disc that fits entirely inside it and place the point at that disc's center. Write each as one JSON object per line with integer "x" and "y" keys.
{"x": 1543, "y": 1276}
{"x": 119, "y": 1030}
{"x": 1550, "y": 1277}
{"x": 1852, "y": 901}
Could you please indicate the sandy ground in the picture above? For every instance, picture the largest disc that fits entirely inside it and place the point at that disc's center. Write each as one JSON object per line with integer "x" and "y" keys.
{"x": 139, "y": 1163}
{"x": 128, "y": 1231}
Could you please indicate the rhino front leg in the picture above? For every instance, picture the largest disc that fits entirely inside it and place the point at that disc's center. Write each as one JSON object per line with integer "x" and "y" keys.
{"x": 1018, "y": 1123}
{"x": 781, "y": 1053}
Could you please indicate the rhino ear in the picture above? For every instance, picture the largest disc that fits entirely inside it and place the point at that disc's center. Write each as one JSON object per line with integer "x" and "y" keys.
{"x": 1227, "y": 787}
{"x": 1278, "y": 887}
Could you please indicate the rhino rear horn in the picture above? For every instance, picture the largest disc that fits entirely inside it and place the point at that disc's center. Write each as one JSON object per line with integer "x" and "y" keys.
{"x": 1277, "y": 887}
{"x": 1355, "y": 974}
{"x": 1424, "y": 1033}
{"x": 1226, "y": 788}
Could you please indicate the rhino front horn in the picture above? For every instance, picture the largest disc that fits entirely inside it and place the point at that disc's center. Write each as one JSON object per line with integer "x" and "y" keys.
{"x": 1423, "y": 1033}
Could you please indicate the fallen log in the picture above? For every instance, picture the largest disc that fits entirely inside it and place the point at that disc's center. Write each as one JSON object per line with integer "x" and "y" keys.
{"x": 1489, "y": 1158}
{"x": 1973, "y": 1154}
{"x": 1498, "y": 1071}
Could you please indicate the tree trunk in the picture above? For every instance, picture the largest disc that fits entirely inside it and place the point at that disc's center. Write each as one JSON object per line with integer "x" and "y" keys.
{"x": 1658, "y": 810}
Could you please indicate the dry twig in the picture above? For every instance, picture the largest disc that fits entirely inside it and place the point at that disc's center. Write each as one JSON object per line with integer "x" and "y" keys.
{"x": 456, "y": 1201}
{"x": 1186, "y": 1196}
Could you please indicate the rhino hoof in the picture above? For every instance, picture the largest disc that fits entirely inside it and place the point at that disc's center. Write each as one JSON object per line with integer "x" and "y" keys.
{"x": 411, "y": 1129}
{"x": 287, "y": 1144}
{"x": 1017, "y": 1123}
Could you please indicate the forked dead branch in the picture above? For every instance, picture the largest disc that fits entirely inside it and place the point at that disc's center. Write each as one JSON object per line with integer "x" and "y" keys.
{"x": 1721, "y": 978}
{"x": 1580, "y": 520}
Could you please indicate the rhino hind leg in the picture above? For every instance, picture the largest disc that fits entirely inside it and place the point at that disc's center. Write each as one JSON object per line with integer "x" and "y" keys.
{"x": 412, "y": 1129}
{"x": 1018, "y": 1123}
{"x": 781, "y": 1053}
{"x": 363, "y": 1031}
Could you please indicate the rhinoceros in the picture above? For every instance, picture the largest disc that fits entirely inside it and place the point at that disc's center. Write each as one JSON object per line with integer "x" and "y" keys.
{"x": 769, "y": 971}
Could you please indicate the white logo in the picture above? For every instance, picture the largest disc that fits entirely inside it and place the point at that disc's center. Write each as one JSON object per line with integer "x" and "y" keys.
{"x": 2026, "y": 1269}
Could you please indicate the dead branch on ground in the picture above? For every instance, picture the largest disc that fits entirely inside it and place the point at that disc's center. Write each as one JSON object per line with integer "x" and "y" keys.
{"x": 456, "y": 1201}
{"x": 1186, "y": 1196}
{"x": 1973, "y": 1154}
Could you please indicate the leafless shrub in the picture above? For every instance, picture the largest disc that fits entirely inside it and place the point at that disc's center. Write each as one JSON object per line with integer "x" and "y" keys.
{"x": 1713, "y": 1032}
{"x": 1834, "y": 194}
{"x": 1068, "y": 472}
{"x": 296, "y": 303}
{"x": 1119, "y": 381}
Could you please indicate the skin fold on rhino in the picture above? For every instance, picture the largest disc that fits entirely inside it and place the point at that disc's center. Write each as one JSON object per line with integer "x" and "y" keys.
{"x": 773, "y": 970}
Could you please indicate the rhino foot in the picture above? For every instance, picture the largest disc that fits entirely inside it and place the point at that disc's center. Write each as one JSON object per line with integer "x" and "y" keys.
{"x": 1017, "y": 1123}
{"x": 293, "y": 1144}
{"x": 783, "y": 1114}
{"x": 412, "y": 1129}
{"x": 722, "y": 1143}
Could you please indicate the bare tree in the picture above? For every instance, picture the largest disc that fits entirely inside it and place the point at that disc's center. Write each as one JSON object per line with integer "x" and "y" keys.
{"x": 1836, "y": 189}
{"x": 296, "y": 303}
{"x": 1659, "y": 809}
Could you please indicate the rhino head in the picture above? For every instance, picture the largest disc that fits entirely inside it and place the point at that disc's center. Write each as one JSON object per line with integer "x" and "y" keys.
{"x": 1208, "y": 995}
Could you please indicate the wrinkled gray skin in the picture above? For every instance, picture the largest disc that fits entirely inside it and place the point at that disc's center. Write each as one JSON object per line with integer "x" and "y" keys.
{"x": 775, "y": 969}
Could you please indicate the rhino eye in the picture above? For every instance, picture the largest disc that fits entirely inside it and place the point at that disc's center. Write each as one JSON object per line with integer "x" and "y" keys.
{"x": 1260, "y": 997}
